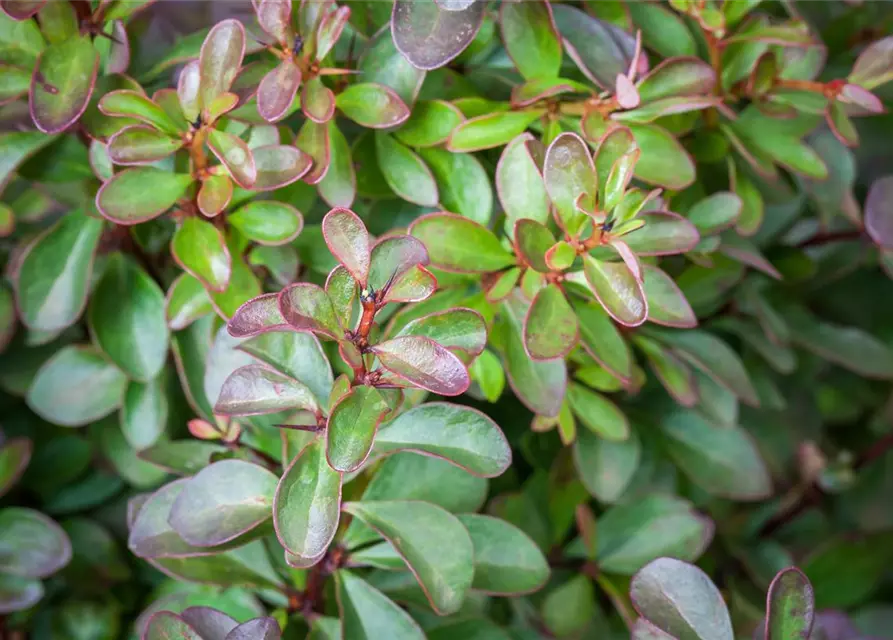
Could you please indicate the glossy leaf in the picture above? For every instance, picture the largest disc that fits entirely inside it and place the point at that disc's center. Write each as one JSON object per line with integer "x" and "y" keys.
{"x": 462, "y": 182}
{"x": 457, "y": 244}
{"x": 133, "y": 104}
{"x": 34, "y": 546}
{"x": 429, "y": 124}
{"x": 351, "y": 428}
{"x": 424, "y": 363}
{"x": 339, "y": 186}
{"x": 790, "y": 606}
{"x": 666, "y": 303}
{"x": 429, "y": 36}
{"x": 569, "y": 175}
{"x": 307, "y": 307}
{"x": 519, "y": 182}
{"x": 255, "y": 390}
{"x": 405, "y": 172}
{"x": 140, "y": 194}
{"x": 491, "y": 130}
{"x": 65, "y": 75}
{"x": 235, "y": 155}
{"x": 383, "y": 64}
{"x": 531, "y": 38}
{"x": 664, "y": 161}
{"x": 598, "y": 413}
{"x": 267, "y": 222}
{"x": 348, "y": 240}
{"x": 367, "y": 613}
{"x": 550, "y": 328}
{"x": 664, "y": 233}
{"x": 278, "y": 166}
{"x": 618, "y": 290}
{"x": 199, "y": 248}
{"x": 220, "y": 59}
{"x": 461, "y": 329}
{"x": 372, "y": 105}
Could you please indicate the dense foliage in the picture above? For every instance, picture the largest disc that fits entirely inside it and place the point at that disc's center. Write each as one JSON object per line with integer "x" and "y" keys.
{"x": 642, "y": 252}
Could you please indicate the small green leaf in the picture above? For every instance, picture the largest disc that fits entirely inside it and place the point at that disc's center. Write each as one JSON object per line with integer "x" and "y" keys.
{"x": 307, "y": 504}
{"x": 506, "y": 560}
{"x": 716, "y": 212}
{"x": 144, "y": 413}
{"x": 140, "y": 144}
{"x": 134, "y": 104}
{"x": 405, "y": 172}
{"x": 550, "y": 328}
{"x": 127, "y": 320}
{"x": 790, "y": 606}
{"x": 462, "y": 182}
{"x": 458, "y": 434}
{"x": 279, "y": 165}
{"x": 569, "y": 175}
{"x": 618, "y": 289}
{"x": 222, "y": 502}
{"x": 433, "y": 542}
{"x": 140, "y": 194}
{"x": 603, "y": 341}
{"x": 339, "y": 186}
{"x": 666, "y": 303}
{"x": 198, "y": 247}
{"x": 368, "y": 614}
{"x": 215, "y": 194}
{"x": 164, "y": 625}
{"x": 664, "y": 161}
{"x": 664, "y": 233}
{"x": 220, "y": 59}
{"x": 531, "y": 38}
{"x": 33, "y": 546}
{"x": 351, "y": 428}
{"x": 255, "y": 390}
{"x": 267, "y": 222}
{"x": 54, "y": 276}
{"x": 67, "y": 72}
{"x": 680, "y": 599}
{"x": 491, "y": 130}
{"x": 313, "y": 140}
{"x": 457, "y": 244}
{"x": 430, "y": 124}
{"x": 372, "y": 105}
{"x": 75, "y": 387}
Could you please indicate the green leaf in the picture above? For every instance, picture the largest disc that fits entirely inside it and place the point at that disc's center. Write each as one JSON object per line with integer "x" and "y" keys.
{"x": 222, "y": 502}
{"x": 461, "y": 329}
{"x": 550, "y": 327}
{"x": 298, "y": 355}
{"x": 372, "y": 105}
{"x": 54, "y": 276}
{"x": 279, "y": 165}
{"x": 664, "y": 162}
{"x": 257, "y": 629}
{"x": 134, "y": 104}
{"x": 339, "y": 186}
{"x": 368, "y": 614}
{"x": 430, "y": 123}
{"x": 779, "y": 141}
{"x": 460, "y": 245}
{"x": 462, "y": 182}
{"x": 664, "y": 233}
{"x": 599, "y": 49}
{"x": 680, "y": 599}
{"x": 424, "y": 363}
{"x": 845, "y": 571}
{"x": 666, "y": 302}
{"x": 307, "y": 307}
{"x": 663, "y": 30}
{"x": 674, "y": 374}
{"x": 256, "y": 390}
{"x": 460, "y": 435}
{"x": 242, "y": 286}
{"x": 144, "y": 413}
{"x": 190, "y": 349}
{"x": 164, "y": 625}
{"x": 307, "y": 504}
{"x": 182, "y": 457}
{"x": 506, "y": 560}
{"x": 631, "y": 535}
{"x": 873, "y": 67}
{"x": 598, "y": 413}
{"x": 18, "y": 594}
{"x": 722, "y": 461}
{"x": 618, "y": 290}
{"x": 429, "y": 36}
{"x": 199, "y": 248}
{"x": 540, "y": 385}
{"x": 716, "y": 212}
{"x": 381, "y": 63}
{"x": 75, "y": 387}
{"x": 569, "y": 175}
{"x": 432, "y": 541}
{"x": 351, "y": 428}
{"x": 31, "y": 544}
{"x": 140, "y": 144}
{"x": 220, "y": 59}
{"x": 214, "y": 194}
{"x": 67, "y": 71}
{"x": 790, "y": 606}
{"x": 602, "y": 340}
{"x": 405, "y": 172}
{"x": 234, "y": 153}
{"x": 140, "y": 194}
{"x": 267, "y": 222}
{"x": 519, "y": 182}
{"x": 569, "y": 607}
{"x": 126, "y": 318}
{"x": 491, "y": 130}
{"x": 531, "y": 38}
{"x": 20, "y": 41}
{"x": 606, "y": 468}
{"x": 14, "y": 457}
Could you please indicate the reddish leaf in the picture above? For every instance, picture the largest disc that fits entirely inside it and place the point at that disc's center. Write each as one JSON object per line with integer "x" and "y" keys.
{"x": 277, "y": 91}
{"x": 306, "y": 307}
{"x": 235, "y": 154}
{"x": 424, "y": 363}
{"x": 220, "y": 59}
{"x": 258, "y": 315}
{"x": 348, "y": 240}
{"x": 664, "y": 233}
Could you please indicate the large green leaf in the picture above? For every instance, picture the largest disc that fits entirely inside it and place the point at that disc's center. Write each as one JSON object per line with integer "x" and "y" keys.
{"x": 199, "y": 247}
{"x": 76, "y": 386}
{"x": 140, "y": 194}
{"x": 127, "y": 320}
{"x": 368, "y": 614}
{"x": 432, "y": 541}
{"x": 531, "y": 38}
{"x": 462, "y": 182}
{"x": 372, "y": 105}
{"x": 457, "y": 244}
{"x": 31, "y": 544}
{"x": 351, "y": 427}
{"x": 66, "y": 73}
{"x": 598, "y": 413}
{"x": 405, "y": 172}
{"x": 297, "y": 355}
{"x": 54, "y": 275}
{"x": 220, "y": 59}
{"x": 790, "y": 606}
{"x": 383, "y": 64}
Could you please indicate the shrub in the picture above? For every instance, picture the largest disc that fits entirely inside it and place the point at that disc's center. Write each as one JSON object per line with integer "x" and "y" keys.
{"x": 640, "y": 249}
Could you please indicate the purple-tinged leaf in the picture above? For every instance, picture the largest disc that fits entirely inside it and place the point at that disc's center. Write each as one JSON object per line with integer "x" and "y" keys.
{"x": 460, "y": 245}
{"x": 14, "y": 456}
{"x": 550, "y": 328}
{"x": 519, "y": 181}
{"x": 140, "y": 194}
{"x": 306, "y": 307}
{"x": 618, "y": 290}
{"x": 860, "y": 97}
{"x": 279, "y": 165}
{"x": 461, "y": 329}
{"x": 383, "y": 64}
{"x": 430, "y": 37}
{"x": 330, "y": 27}
{"x": 347, "y": 239}
{"x": 372, "y": 105}
{"x": 414, "y": 285}
{"x": 342, "y": 291}
{"x": 393, "y": 257}
{"x": 63, "y": 83}
{"x": 790, "y": 606}
{"x": 313, "y": 140}
{"x": 664, "y": 233}
{"x": 208, "y": 622}
{"x": 351, "y": 428}
{"x": 21, "y": 9}
{"x": 257, "y": 316}
{"x": 223, "y": 501}
{"x": 188, "y": 87}
{"x": 256, "y": 390}
{"x": 34, "y": 546}
{"x": 531, "y": 38}
{"x": 874, "y": 66}
{"x": 141, "y": 144}
{"x": 532, "y": 91}
{"x": 198, "y": 246}
{"x": 879, "y": 212}
{"x": 317, "y": 100}
{"x": 234, "y": 153}
{"x": 746, "y": 252}
{"x": 569, "y": 176}
{"x": 277, "y": 91}
{"x": 600, "y": 50}
{"x": 186, "y": 302}
{"x": 307, "y": 504}
{"x": 257, "y": 629}
{"x": 666, "y": 303}
{"x": 274, "y": 17}
{"x": 677, "y": 77}
{"x": 214, "y": 194}
{"x": 165, "y": 625}
{"x": 220, "y": 59}
{"x": 424, "y": 363}
{"x": 539, "y": 385}
{"x": 666, "y": 107}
